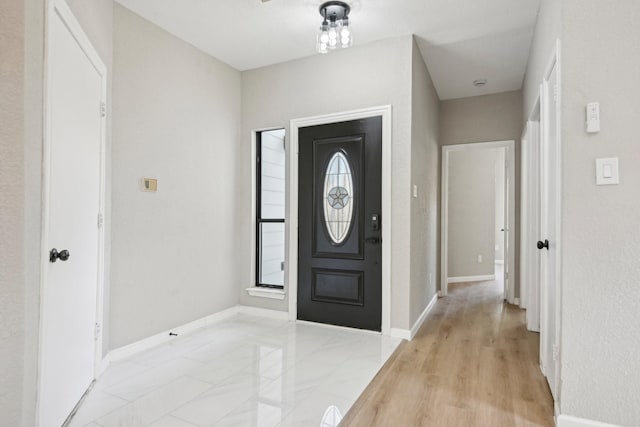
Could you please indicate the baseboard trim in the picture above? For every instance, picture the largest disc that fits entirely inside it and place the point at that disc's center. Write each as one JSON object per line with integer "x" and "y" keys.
{"x": 569, "y": 421}
{"x": 409, "y": 334}
{"x": 163, "y": 337}
{"x": 463, "y": 279}
{"x": 416, "y": 326}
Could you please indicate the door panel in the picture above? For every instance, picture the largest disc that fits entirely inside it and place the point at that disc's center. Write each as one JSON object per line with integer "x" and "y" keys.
{"x": 548, "y": 228}
{"x": 339, "y": 235}
{"x": 70, "y": 286}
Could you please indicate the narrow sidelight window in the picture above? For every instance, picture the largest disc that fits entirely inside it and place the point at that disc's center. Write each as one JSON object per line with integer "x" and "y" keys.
{"x": 270, "y": 208}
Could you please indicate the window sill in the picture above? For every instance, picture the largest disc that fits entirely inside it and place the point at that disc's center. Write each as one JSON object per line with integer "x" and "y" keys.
{"x": 266, "y": 293}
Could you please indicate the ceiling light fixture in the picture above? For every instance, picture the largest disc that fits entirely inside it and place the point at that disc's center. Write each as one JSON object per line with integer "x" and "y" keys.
{"x": 335, "y": 31}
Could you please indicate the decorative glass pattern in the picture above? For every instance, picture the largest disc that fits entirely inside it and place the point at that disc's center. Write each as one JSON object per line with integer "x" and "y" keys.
{"x": 338, "y": 198}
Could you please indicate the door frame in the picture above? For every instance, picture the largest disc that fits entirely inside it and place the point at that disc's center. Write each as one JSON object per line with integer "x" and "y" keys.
{"x": 530, "y": 219}
{"x": 554, "y": 63}
{"x": 510, "y": 157}
{"x": 291, "y": 223}
{"x": 60, "y": 8}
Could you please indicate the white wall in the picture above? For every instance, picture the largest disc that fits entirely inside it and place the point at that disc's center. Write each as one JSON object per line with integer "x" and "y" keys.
{"x": 601, "y": 257}
{"x": 11, "y": 210}
{"x": 425, "y": 209}
{"x": 176, "y": 118}
{"x": 375, "y": 74}
{"x": 471, "y": 209}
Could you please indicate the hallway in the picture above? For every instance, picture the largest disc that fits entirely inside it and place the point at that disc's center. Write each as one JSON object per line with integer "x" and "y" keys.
{"x": 473, "y": 363}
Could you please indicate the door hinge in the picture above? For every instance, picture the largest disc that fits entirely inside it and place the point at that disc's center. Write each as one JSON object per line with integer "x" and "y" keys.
{"x": 555, "y": 353}
{"x": 100, "y": 220}
{"x": 103, "y": 109}
{"x": 96, "y": 331}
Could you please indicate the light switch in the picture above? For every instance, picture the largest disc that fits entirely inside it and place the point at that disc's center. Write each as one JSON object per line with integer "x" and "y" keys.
{"x": 607, "y": 172}
{"x": 415, "y": 191}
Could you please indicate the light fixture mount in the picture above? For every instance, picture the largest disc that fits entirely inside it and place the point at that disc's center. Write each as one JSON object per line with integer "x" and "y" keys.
{"x": 334, "y": 10}
{"x": 335, "y": 31}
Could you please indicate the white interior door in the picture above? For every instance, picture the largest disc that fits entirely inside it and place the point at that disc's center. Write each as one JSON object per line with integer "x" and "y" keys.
{"x": 73, "y": 183}
{"x": 548, "y": 244}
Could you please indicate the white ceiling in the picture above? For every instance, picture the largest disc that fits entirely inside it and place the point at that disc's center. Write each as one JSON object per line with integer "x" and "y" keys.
{"x": 461, "y": 40}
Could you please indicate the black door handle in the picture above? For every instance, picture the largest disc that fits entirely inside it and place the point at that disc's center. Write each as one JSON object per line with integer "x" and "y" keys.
{"x": 54, "y": 255}
{"x": 544, "y": 244}
{"x": 373, "y": 240}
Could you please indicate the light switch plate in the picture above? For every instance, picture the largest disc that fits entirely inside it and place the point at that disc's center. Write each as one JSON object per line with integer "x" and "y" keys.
{"x": 415, "y": 191}
{"x": 607, "y": 172}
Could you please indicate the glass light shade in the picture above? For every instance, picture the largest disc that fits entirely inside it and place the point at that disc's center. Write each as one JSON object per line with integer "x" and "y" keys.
{"x": 346, "y": 38}
{"x": 322, "y": 40}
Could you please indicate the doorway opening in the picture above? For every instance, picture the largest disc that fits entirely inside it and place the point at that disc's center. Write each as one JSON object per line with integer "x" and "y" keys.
{"x": 478, "y": 215}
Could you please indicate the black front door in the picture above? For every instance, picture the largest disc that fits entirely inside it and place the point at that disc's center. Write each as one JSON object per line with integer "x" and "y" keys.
{"x": 339, "y": 234}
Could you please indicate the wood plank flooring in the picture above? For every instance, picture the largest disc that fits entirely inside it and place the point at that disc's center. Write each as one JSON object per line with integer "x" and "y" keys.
{"x": 473, "y": 363}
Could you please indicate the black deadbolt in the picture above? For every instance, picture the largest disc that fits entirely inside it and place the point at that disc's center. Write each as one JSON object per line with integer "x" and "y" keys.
{"x": 54, "y": 255}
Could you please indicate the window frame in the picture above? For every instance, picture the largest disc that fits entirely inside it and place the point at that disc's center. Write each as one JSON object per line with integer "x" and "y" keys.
{"x": 258, "y": 218}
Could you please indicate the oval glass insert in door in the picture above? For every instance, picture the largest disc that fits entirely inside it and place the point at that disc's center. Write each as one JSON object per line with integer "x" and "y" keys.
{"x": 339, "y": 198}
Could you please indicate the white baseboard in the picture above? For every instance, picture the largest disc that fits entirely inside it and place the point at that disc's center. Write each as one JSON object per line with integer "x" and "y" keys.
{"x": 407, "y": 334}
{"x": 423, "y": 316}
{"x": 463, "y": 279}
{"x": 569, "y": 421}
{"x": 157, "y": 339}
{"x": 263, "y": 312}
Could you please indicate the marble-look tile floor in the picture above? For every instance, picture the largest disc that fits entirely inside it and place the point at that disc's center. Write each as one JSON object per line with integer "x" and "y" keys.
{"x": 245, "y": 371}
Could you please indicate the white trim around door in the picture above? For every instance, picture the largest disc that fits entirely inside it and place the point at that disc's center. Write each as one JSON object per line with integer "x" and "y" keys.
{"x": 291, "y": 224}
{"x": 509, "y": 209}
{"x": 60, "y": 9}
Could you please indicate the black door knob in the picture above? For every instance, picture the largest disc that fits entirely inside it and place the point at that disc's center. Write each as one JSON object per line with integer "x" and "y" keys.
{"x": 54, "y": 255}
{"x": 542, "y": 245}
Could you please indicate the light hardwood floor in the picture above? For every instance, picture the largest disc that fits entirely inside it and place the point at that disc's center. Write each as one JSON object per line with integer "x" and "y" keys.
{"x": 473, "y": 363}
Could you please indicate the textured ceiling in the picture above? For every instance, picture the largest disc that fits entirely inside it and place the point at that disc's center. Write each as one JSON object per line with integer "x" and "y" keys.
{"x": 461, "y": 40}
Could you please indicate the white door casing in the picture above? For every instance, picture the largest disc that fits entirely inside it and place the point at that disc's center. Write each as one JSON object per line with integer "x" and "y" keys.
{"x": 530, "y": 222}
{"x": 73, "y": 194}
{"x": 550, "y": 222}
